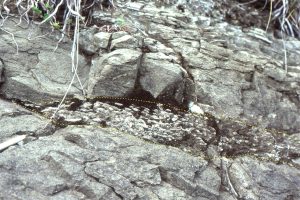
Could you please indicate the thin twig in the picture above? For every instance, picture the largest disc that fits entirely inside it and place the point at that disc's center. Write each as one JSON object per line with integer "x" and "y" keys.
{"x": 53, "y": 13}
{"x": 270, "y": 16}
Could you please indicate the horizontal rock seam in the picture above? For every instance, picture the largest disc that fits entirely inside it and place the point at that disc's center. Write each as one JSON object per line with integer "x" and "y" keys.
{"x": 61, "y": 124}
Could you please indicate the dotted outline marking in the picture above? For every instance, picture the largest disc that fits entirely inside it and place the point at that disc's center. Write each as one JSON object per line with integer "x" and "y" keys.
{"x": 173, "y": 107}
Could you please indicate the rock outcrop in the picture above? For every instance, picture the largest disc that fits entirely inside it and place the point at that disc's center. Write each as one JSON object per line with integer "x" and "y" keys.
{"x": 33, "y": 70}
{"x": 91, "y": 162}
{"x": 114, "y": 74}
{"x": 112, "y": 145}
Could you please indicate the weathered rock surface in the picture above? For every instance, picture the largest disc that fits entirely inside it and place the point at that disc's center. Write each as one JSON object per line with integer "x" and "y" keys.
{"x": 261, "y": 87}
{"x": 238, "y": 72}
{"x": 123, "y": 40}
{"x": 234, "y": 71}
{"x": 96, "y": 163}
{"x": 92, "y": 163}
{"x": 33, "y": 72}
{"x": 170, "y": 81}
{"x": 92, "y": 41}
{"x": 268, "y": 181}
{"x": 245, "y": 146}
{"x": 15, "y": 120}
{"x": 114, "y": 74}
{"x": 251, "y": 86}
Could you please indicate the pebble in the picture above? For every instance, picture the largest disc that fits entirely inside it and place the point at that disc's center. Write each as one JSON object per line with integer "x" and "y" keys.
{"x": 73, "y": 120}
{"x": 87, "y": 105}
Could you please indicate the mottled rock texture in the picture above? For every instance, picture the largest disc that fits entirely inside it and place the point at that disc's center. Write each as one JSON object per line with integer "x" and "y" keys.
{"x": 246, "y": 145}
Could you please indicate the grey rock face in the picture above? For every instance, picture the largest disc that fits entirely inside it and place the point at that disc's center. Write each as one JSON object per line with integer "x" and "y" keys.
{"x": 91, "y": 40}
{"x": 126, "y": 41}
{"x": 166, "y": 48}
{"x": 87, "y": 41}
{"x": 37, "y": 73}
{"x": 255, "y": 40}
{"x": 253, "y": 76}
{"x": 114, "y": 74}
{"x": 240, "y": 84}
{"x": 15, "y": 120}
{"x": 229, "y": 66}
{"x": 92, "y": 163}
{"x": 160, "y": 76}
{"x": 95, "y": 163}
{"x": 264, "y": 181}
{"x": 102, "y": 39}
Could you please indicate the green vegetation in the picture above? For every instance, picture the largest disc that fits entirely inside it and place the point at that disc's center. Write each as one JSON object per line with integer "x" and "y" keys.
{"x": 42, "y": 10}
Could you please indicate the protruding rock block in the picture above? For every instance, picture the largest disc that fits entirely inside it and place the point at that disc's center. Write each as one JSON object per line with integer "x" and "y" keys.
{"x": 114, "y": 74}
